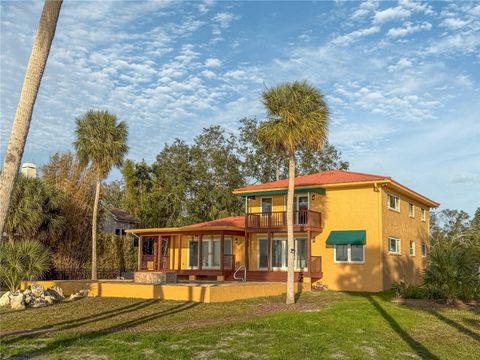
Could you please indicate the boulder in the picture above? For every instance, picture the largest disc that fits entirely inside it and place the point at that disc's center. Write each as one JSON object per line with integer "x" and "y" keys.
{"x": 37, "y": 290}
{"x": 27, "y": 291}
{"x": 18, "y": 301}
{"x": 49, "y": 299}
{"x": 55, "y": 292}
{"x": 39, "y": 302}
{"x": 73, "y": 297}
{"x": 83, "y": 292}
{"x": 5, "y": 299}
{"x": 28, "y": 299}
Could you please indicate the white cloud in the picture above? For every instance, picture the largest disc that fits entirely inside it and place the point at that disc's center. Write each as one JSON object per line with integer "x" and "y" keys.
{"x": 454, "y": 23}
{"x": 224, "y": 19}
{"x": 355, "y": 35}
{"x": 365, "y": 8}
{"x": 407, "y": 29}
{"x": 389, "y": 14}
{"x": 213, "y": 62}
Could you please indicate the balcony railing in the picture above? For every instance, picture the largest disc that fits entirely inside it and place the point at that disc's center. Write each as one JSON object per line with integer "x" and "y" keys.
{"x": 278, "y": 219}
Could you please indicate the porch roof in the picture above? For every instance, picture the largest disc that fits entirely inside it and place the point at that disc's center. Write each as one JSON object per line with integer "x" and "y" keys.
{"x": 233, "y": 223}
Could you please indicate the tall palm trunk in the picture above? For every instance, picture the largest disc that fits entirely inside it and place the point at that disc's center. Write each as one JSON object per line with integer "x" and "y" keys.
{"x": 291, "y": 241}
{"x": 94, "y": 228}
{"x": 23, "y": 115}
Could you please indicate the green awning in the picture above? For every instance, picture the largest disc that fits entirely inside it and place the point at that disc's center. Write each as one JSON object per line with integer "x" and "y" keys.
{"x": 347, "y": 237}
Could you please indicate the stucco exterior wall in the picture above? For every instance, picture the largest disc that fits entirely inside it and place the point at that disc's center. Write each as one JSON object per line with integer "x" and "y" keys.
{"x": 355, "y": 208}
{"x": 400, "y": 225}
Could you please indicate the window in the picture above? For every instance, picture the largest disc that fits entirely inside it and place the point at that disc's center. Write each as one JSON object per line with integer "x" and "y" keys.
{"x": 280, "y": 254}
{"x": 193, "y": 253}
{"x": 424, "y": 249}
{"x": 423, "y": 214}
{"x": 393, "y": 203}
{"x": 211, "y": 246}
{"x": 411, "y": 210}
{"x": 349, "y": 253}
{"x": 412, "y": 248}
{"x": 393, "y": 245}
{"x": 266, "y": 205}
{"x": 147, "y": 247}
{"x": 120, "y": 232}
{"x": 341, "y": 253}
{"x": 262, "y": 254}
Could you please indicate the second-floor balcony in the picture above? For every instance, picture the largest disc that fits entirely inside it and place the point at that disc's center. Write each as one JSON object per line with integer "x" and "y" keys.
{"x": 277, "y": 220}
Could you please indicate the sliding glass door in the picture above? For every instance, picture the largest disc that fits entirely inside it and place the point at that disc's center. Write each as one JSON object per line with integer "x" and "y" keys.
{"x": 279, "y": 260}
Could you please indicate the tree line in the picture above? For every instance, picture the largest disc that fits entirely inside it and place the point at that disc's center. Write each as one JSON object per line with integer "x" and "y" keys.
{"x": 189, "y": 183}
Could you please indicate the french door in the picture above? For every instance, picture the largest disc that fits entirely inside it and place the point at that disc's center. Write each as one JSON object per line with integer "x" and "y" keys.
{"x": 279, "y": 251}
{"x": 300, "y": 207}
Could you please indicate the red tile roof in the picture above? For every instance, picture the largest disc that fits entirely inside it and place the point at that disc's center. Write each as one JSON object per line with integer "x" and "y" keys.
{"x": 232, "y": 221}
{"x": 322, "y": 178}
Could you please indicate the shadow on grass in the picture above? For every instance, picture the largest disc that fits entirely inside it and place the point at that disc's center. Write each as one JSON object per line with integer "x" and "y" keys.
{"x": 70, "y": 324}
{"x": 80, "y": 337}
{"x": 456, "y": 325}
{"x": 415, "y": 345}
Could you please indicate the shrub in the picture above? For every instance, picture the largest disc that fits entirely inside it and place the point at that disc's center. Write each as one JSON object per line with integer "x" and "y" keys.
{"x": 410, "y": 291}
{"x": 452, "y": 272}
{"x": 22, "y": 260}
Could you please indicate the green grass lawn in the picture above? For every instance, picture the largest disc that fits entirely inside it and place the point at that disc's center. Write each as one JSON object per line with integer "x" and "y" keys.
{"x": 322, "y": 325}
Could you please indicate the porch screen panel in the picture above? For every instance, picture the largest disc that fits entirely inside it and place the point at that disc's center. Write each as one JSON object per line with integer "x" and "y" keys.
{"x": 262, "y": 254}
{"x": 300, "y": 254}
{"x": 205, "y": 252}
{"x": 278, "y": 253}
{"x": 227, "y": 245}
{"x": 216, "y": 247}
{"x": 193, "y": 253}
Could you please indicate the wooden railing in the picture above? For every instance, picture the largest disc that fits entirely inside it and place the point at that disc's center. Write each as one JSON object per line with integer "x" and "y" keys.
{"x": 315, "y": 264}
{"x": 278, "y": 219}
{"x": 228, "y": 262}
{"x": 164, "y": 262}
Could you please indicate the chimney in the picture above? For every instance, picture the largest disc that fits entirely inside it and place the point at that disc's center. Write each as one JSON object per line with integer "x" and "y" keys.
{"x": 29, "y": 170}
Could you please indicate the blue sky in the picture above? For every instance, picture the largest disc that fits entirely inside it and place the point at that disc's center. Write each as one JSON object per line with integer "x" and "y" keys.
{"x": 402, "y": 78}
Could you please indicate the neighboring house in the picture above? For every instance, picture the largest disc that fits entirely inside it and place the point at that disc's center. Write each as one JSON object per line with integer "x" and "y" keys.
{"x": 116, "y": 221}
{"x": 353, "y": 231}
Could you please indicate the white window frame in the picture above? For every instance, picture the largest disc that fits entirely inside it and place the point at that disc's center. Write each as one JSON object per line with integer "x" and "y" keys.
{"x": 424, "y": 247}
{"x": 423, "y": 214}
{"x": 411, "y": 210}
{"x": 399, "y": 245}
{"x": 349, "y": 256}
{"x": 410, "y": 248}
{"x": 388, "y": 202}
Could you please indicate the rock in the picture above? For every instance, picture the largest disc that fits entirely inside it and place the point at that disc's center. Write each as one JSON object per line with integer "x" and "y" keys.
{"x": 5, "y": 299}
{"x": 73, "y": 297}
{"x": 28, "y": 299}
{"x": 37, "y": 290}
{"x": 58, "y": 290}
{"x": 17, "y": 302}
{"x": 39, "y": 302}
{"x": 56, "y": 295}
{"x": 49, "y": 299}
{"x": 27, "y": 291}
{"x": 83, "y": 292}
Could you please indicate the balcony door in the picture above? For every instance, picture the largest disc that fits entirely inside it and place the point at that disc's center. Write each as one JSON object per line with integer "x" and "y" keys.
{"x": 280, "y": 254}
{"x": 300, "y": 208}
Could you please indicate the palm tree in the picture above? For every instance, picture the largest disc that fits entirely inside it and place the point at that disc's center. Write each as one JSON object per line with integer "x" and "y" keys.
{"x": 297, "y": 117}
{"x": 101, "y": 143}
{"x": 23, "y": 114}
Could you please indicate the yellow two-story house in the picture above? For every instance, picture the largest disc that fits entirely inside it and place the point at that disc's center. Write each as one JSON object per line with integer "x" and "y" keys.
{"x": 353, "y": 231}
